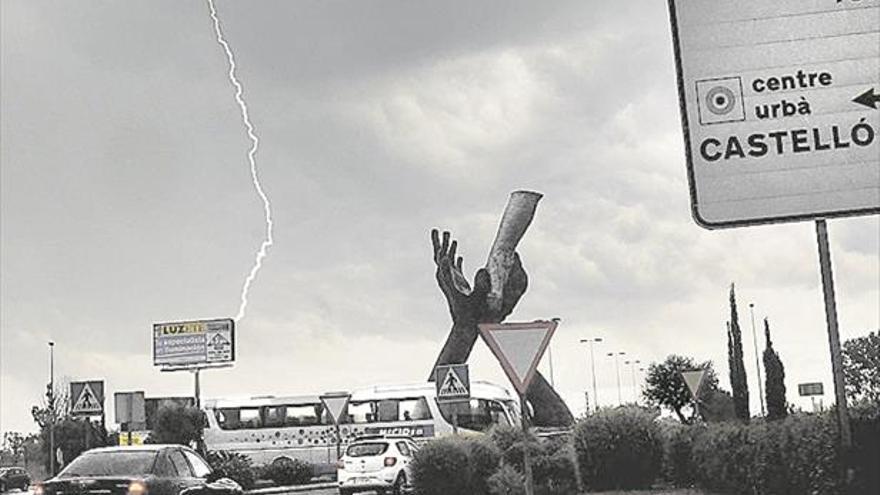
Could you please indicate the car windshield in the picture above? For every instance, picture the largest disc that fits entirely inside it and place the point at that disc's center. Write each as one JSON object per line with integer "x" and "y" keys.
{"x": 367, "y": 449}
{"x": 113, "y": 463}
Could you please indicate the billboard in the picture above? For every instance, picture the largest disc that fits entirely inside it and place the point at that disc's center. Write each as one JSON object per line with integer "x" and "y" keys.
{"x": 779, "y": 107}
{"x": 194, "y": 343}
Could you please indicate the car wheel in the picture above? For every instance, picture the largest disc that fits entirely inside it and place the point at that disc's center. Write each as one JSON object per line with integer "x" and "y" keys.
{"x": 399, "y": 484}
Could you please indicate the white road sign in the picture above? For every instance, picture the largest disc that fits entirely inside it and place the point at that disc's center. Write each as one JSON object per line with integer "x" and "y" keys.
{"x": 87, "y": 397}
{"x": 779, "y": 108}
{"x": 693, "y": 379}
{"x": 453, "y": 382}
{"x": 519, "y": 348}
{"x": 335, "y": 403}
{"x": 194, "y": 343}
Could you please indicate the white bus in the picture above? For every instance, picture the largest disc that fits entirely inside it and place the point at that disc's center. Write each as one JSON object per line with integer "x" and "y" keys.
{"x": 271, "y": 428}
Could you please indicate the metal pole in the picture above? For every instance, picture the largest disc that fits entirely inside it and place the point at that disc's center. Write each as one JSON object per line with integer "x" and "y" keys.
{"x": 617, "y": 367}
{"x": 593, "y": 370}
{"x": 757, "y": 361}
{"x": 833, "y": 338}
{"x": 527, "y": 464}
{"x": 51, "y": 408}
{"x": 198, "y": 392}
{"x": 593, "y": 373}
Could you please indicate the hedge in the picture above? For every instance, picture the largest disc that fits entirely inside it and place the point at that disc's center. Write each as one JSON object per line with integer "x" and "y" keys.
{"x": 619, "y": 448}
{"x": 795, "y": 456}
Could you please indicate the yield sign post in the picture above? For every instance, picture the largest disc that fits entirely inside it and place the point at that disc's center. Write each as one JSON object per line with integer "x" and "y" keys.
{"x": 519, "y": 348}
{"x": 336, "y": 402}
{"x": 693, "y": 379}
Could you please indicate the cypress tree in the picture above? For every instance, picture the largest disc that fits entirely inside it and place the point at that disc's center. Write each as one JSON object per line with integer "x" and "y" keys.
{"x": 774, "y": 379}
{"x": 738, "y": 383}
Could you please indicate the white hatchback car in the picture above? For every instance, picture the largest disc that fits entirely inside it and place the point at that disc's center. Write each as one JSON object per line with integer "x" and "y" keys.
{"x": 379, "y": 464}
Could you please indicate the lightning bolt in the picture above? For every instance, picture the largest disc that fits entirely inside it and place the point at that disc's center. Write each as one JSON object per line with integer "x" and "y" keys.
{"x": 255, "y": 143}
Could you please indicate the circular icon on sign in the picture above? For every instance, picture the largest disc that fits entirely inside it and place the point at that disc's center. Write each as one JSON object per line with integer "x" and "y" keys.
{"x": 720, "y": 100}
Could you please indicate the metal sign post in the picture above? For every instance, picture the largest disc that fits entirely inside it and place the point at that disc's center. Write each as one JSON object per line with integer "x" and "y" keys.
{"x": 833, "y": 337}
{"x": 194, "y": 346}
{"x": 87, "y": 401}
{"x": 336, "y": 403}
{"x": 780, "y": 118}
{"x": 519, "y": 348}
{"x": 694, "y": 379}
{"x": 453, "y": 386}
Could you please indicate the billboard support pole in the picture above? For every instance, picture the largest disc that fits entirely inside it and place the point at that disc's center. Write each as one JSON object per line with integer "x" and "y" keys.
{"x": 845, "y": 435}
{"x": 198, "y": 391}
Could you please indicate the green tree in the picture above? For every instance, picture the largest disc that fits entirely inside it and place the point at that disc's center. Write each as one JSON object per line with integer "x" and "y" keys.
{"x": 666, "y": 388}
{"x": 861, "y": 367}
{"x": 13, "y": 442}
{"x": 178, "y": 424}
{"x": 738, "y": 382}
{"x": 774, "y": 379}
{"x": 72, "y": 436}
{"x": 716, "y": 406}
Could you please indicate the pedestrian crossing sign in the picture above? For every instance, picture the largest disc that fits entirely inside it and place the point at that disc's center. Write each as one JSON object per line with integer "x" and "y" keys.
{"x": 452, "y": 382}
{"x": 88, "y": 398}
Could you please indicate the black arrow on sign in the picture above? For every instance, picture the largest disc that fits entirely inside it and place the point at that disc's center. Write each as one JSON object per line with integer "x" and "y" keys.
{"x": 868, "y": 98}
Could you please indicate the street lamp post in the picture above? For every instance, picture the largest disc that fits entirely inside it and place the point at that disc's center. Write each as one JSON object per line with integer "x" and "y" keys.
{"x": 632, "y": 369}
{"x": 51, "y": 398}
{"x": 616, "y": 356}
{"x": 757, "y": 361}
{"x": 593, "y": 369}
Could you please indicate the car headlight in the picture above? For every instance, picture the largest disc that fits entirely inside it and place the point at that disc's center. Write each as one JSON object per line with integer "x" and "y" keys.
{"x": 136, "y": 487}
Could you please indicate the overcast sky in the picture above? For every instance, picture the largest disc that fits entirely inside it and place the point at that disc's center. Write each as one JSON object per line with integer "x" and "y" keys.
{"x": 127, "y": 199}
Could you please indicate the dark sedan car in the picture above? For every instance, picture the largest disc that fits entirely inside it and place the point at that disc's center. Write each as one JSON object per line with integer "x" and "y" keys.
{"x": 14, "y": 477}
{"x": 143, "y": 470}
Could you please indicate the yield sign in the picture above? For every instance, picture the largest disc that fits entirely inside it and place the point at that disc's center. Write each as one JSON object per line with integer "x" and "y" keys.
{"x": 693, "y": 379}
{"x": 335, "y": 403}
{"x": 519, "y": 347}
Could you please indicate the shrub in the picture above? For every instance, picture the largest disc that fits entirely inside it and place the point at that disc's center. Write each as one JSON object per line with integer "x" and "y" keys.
{"x": 506, "y": 481}
{"x": 552, "y": 459}
{"x": 553, "y": 467}
{"x": 232, "y": 465}
{"x": 678, "y": 446}
{"x": 794, "y": 456}
{"x": 865, "y": 423}
{"x": 484, "y": 458}
{"x": 619, "y": 448}
{"x": 441, "y": 467}
{"x": 178, "y": 424}
{"x": 285, "y": 472}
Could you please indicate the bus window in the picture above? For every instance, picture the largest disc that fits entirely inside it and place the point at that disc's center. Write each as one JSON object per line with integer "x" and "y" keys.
{"x": 228, "y": 418}
{"x": 414, "y": 409}
{"x": 389, "y": 410}
{"x": 362, "y": 412}
{"x": 274, "y": 416}
{"x": 476, "y": 414}
{"x": 303, "y": 415}
{"x": 250, "y": 417}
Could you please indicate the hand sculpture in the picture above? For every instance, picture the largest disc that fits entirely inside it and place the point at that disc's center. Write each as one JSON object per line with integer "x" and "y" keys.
{"x": 472, "y": 305}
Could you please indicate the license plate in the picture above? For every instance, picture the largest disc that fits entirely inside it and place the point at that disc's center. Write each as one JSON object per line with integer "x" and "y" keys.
{"x": 362, "y": 481}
